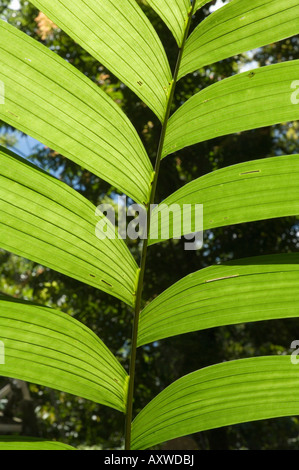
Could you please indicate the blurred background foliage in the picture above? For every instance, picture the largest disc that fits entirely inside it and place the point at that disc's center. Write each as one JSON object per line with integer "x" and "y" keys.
{"x": 85, "y": 424}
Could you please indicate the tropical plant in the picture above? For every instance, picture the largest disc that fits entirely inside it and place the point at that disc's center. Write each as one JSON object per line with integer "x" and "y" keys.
{"x": 45, "y": 220}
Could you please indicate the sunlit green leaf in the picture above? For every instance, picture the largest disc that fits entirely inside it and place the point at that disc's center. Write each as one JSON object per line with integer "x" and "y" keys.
{"x": 50, "y": 348}
{"x": 259, "y": 98}
{"x": 175, "y": 15}
{"x": 246, "y": 290}
{"x": 200, "y": 3}
{"x": 49, "y": 99}
{"x": 30, "y": 443}
{"x": 120, "y": 36}
{"x": 220, "y": 395}
{"x": 255, "y": 190}
{"x": 238, "y": 27}
{"x": 45, "y": 220}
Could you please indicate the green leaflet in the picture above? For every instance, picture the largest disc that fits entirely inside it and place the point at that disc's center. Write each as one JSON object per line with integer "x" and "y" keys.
{"x": 174, "y": 13}
{"x": 48, "y": 222}
{"x": 261, "y": 97}
{"x": 50, "y": 348}
{"x": 200, "y": 3}
{"x": 239, "y": 27}
{"x": 220, "y": 395}
{"x": 51, "y": 100}
{"x": 120, "y": 36}
{"x": 250, "y": 191}
{"x": 30, "y": 443}
{"x": 45, "y": 220}
{"x": 246, "y": 290}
